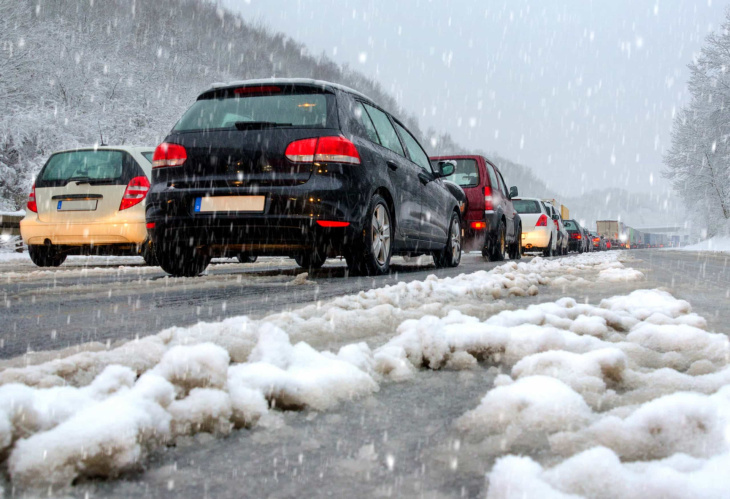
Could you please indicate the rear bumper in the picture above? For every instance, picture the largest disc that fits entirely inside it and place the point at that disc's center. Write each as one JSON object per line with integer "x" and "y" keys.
{"x": 34, "y": 231}
{"x": 575, "y": 245}
{"x": 287, "y": 225}
{"x": 537, "y": 238}
{"x": 476, "y": 239}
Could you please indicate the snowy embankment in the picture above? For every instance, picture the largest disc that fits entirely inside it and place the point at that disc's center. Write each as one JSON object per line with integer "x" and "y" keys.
{"x": 715, "y": 244}
{"x": 579, "y": 376}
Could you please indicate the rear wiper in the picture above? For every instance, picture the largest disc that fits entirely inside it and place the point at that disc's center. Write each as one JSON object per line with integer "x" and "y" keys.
{"x": 257, "y": 125}
{"x": 90, "y": 181}
{"x": 78, "y": 180}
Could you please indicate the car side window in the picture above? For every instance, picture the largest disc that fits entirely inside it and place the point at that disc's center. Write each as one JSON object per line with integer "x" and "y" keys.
{"x": 418, "y": 156}
{"x": 386, "y": 132}
{"x": 504, "y": 185}
{"x": 364, "y": 119}
{"x": 492, "y": 177}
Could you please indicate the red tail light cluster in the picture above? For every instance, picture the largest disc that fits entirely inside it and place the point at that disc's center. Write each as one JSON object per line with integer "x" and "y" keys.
{"x": 575, "y": 236}
{"x": 32, "y": 206}
{"x": 323, "y": 150}
{"x": 542, "y": 221}
{"x": 488, "y": 206}
{"x": 136, "y": 191}
{"x": 169, "y": 155}
{"x": 479, "y": 225}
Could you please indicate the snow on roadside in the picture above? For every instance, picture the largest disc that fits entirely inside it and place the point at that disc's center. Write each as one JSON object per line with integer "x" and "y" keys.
{"x": 714, "y": 244}
{"x": 213, "y": 377}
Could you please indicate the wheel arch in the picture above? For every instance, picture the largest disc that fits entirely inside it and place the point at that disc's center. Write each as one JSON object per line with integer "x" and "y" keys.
{"x": 383, "y": 192}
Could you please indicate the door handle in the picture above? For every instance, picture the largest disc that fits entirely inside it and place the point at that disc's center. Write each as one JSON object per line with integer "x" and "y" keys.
{"x": 392, "y": 165}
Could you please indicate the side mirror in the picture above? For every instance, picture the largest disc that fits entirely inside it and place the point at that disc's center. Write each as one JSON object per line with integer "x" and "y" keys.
{"x": 446, "y": 168}
{"x": 513, "y": 193}
{"x": 555, "y": 216}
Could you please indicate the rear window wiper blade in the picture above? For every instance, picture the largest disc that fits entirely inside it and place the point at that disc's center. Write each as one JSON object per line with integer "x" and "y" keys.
{"x": 90, "y": 181}
{"x": 257, "y": 125}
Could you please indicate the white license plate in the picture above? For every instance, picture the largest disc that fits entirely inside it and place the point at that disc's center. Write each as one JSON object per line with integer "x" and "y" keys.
{"x": 230, "y": 203}
{"x": 77, "y": 205}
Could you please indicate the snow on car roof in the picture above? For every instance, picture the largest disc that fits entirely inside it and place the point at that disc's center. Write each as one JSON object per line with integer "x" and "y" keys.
{"x": 287, "y": 81}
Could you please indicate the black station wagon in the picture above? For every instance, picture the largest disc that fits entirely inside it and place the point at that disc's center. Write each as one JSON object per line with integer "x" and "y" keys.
{"x": 298, "y": 168}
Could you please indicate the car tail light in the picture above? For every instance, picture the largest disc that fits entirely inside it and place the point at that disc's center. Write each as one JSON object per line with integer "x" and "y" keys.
{"x": 556, "y": 224}
{"x": 136, "y": 191}
{"x": 256, "y": 90}
{"x": 169, "y": 155}
{"x": 479, "y": 225}
{"x": 332, "y": 223}
{"x": 575, "y": 236}
{"x": 595, "y": 240}
{"x": 488, "y": 206}
{"x": 150, "y": 225}
{"x": 323, "y": 150}
{"x": 32, "y": 206}
{"x": 542, "y": 221}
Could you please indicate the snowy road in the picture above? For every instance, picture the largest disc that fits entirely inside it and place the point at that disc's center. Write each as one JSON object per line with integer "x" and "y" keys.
{"x": 398, "y": 414}
{"x": 99, "y": 299}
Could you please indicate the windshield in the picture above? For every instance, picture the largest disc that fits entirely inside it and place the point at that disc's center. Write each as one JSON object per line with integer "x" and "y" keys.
{"x": 466, "y": 173}
{"x": 229, "y": 111}
{"x": 95, "y": 166}
{"x": 526, "y": 206}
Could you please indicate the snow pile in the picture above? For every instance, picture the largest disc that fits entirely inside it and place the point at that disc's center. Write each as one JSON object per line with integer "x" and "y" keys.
{"x": 353, "y": 318}
{"x": 618, "y": 275}
{"x": 717, "y": 244}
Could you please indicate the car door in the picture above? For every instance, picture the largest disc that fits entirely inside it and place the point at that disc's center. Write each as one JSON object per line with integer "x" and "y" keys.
{"x": 507, "y": 207}
{"x": 403, "y": 174}
{"x": 436, "y": 202}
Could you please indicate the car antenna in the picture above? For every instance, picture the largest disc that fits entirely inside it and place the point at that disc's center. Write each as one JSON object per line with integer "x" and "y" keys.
{"x": 100, "y": 134}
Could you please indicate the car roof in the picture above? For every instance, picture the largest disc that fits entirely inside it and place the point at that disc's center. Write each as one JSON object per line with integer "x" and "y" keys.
{"x": 132, "y": 149}
{"x": 286, "y": 81}
{"x": 520, "y": 198}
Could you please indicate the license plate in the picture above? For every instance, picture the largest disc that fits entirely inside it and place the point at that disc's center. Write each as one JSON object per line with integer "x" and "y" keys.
{"x": 230, "y": 203}
{"x": 77, "y": 205}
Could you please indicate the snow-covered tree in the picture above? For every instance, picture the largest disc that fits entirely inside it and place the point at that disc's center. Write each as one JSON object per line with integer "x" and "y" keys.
{"x": 698, "y": 162}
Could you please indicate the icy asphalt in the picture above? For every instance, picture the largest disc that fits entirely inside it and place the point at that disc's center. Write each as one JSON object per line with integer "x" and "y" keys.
{"x": 398, "y": 442}
{"x": 113, "y": 300}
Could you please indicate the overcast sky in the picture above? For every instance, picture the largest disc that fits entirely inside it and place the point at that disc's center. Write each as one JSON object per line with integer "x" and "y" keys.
{"x": 583, "y": 92}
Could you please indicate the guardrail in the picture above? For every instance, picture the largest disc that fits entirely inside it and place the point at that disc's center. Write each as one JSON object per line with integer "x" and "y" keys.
{"x": 10, "y": 232}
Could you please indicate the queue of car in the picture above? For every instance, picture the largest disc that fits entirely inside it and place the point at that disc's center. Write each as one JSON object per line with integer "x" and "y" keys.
{"x": 286, "y": 167}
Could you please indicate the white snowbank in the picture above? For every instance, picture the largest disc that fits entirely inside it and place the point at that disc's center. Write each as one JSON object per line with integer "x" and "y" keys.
{"x": 213, "y": 377}
{"x": 715, "y": 244}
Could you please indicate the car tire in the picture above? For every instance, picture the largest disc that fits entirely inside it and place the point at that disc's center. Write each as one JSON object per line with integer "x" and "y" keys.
{"x": 548, "y": 252}
{"x": 499, "y": 247}
{"x": 311, "y": 261}
{"x": 45, "y": 256}
{"x": 450, "y": 256}
{"x": 371, "y": 254}
{"x": 147, "y": 252}
{"x": 181, "y": 261}
{"x": 515, "y": 249}
{"x": 246, "y": 258}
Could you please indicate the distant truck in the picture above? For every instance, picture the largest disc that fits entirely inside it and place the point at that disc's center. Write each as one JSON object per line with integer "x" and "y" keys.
{"x": 613, "y": 231}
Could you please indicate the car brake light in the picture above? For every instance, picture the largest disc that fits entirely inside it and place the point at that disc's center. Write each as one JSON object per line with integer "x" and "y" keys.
{"x": 32, "y": 206}
{"x": 575, "y": 236}
{"x": 488, "y": 206}
{"x": 323, "y": 150}
{"x": 257, "y": 90}
{"x": 169, "y": 155}
{"x": 479, "y": 225}
{"x": 556, "y": 224}
{"x": 542, "y": 221}
{"x": 150, "y": 225}
{"x": 332, "y": 223}
{"x": 136, "y": 191}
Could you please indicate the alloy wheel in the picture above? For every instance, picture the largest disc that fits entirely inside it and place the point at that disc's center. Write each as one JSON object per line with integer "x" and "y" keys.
{"x": 381, "y": 234}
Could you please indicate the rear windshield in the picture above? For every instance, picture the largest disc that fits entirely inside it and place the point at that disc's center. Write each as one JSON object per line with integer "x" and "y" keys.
{"x": 466, "y": 173}
{"x": 97, "y": 167}
{"x": 570, "y": 225}
{"x": 526, "y": 206}
{"x": 231, "y": 111}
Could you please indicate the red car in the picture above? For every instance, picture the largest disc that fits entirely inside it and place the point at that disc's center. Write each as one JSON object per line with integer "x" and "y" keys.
{"x": 491, "y": 224}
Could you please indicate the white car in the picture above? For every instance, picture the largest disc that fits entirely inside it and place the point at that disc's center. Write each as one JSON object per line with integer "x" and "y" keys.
{"x": 88, "y": 201}
{"x": 539, "y": 233}
{"x": 563, "y": 237}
